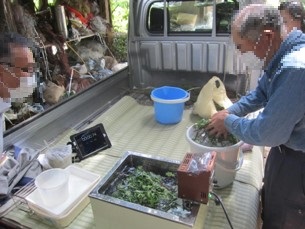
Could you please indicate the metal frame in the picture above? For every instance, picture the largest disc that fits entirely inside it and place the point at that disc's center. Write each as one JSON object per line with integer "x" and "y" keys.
{"x": 74, "y": 112}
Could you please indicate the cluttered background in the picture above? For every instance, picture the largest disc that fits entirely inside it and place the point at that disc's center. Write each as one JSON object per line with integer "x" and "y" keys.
{"x": 76, "y": 46}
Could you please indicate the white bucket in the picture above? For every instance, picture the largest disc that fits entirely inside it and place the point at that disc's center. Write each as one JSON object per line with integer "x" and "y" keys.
{"x": 229, "y": 159}
{"x": 53, "y": 186}
{"x": 228, "y": 154}
{"x": 224, "y": 174}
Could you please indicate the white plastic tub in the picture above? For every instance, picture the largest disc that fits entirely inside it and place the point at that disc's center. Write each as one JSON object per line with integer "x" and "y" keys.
{"x": 80, "y": 184}
{"x": 228, "y": 154}
{"x": 53, "y": 186}
{"x": 229, "y": 159}
{"x": 225, "y": 173}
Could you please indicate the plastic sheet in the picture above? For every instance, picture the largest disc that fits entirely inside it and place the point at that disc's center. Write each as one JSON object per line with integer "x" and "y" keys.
{"x": 199, "y": 162}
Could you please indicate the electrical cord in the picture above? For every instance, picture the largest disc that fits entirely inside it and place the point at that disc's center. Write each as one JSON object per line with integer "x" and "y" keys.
{"x": 219, "y": 201}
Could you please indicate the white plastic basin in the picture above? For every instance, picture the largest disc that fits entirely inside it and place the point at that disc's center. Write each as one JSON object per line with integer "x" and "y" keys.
{"x": 53, "y": 186}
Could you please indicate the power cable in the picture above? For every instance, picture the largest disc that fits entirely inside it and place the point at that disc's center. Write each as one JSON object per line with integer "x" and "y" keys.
{"x": 219, "y": 201}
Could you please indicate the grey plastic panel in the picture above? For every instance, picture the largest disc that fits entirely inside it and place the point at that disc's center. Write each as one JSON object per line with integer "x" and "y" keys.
{"x": 199, "y": 58}
{"x": 168, "y": 55}
{"x": 183, "y": 56}
{"x": 176, "y": 58}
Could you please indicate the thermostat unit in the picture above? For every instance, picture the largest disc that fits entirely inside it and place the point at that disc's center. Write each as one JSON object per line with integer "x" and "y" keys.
{"x": 195, "y": 174}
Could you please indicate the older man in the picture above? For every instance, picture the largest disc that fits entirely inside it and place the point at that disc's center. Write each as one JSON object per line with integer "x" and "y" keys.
{"x": 256, "y": 32}
{"x": 17, "y": 76}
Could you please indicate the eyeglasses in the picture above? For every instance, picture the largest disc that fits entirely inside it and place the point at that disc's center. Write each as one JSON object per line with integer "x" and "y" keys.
{"x": 31, "y": 68}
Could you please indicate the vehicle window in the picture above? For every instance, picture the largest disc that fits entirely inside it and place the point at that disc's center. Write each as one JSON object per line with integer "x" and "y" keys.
{"x": 195, "y": 16}
{"x": 224, "y": 13}
{"x": 190, "y": 16}
{"x": 156, "y": 18}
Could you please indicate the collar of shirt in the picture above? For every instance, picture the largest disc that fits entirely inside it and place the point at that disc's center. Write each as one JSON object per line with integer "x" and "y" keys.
{"x": 294, "y": 41}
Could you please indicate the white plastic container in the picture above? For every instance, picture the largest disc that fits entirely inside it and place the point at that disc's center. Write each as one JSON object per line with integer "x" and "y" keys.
{"x": 225, "y": 174}
{"x": 228, "y": 154}
{"x": 60, "y": 156}
{"x": 80, "y": 182}
{"x": 229, "y": 159}
{"x": 53, "y": 186}
{"x": 66, "y": 218}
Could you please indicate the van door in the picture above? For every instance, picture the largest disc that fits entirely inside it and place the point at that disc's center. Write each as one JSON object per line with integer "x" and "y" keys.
{"x": 183, "y": 42}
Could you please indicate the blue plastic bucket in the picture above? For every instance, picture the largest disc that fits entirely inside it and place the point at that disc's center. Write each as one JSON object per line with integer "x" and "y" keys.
{"x": 169, "y": 104}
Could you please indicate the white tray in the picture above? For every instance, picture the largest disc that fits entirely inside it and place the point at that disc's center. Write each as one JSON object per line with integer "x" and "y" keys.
{"x": 80, "y": 184}
{"x": 67, "y": 218}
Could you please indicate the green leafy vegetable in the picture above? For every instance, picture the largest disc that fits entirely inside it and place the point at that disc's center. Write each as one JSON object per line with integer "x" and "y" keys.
{"x": 202, "y": 136}
{"x": 148, "y": 189}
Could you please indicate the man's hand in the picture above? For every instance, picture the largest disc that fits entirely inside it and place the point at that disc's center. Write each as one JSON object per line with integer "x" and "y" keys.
{"x": 217, "y": 125}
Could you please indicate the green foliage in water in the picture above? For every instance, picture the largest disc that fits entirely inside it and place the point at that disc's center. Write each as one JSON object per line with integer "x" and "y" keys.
{"x": 202, "y": 137}
{"x": 148, "y": 189}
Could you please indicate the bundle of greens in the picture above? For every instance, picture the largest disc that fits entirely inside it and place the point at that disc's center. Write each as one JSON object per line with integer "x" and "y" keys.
{"x": 201, "y": 136}
{"x": 148, "y": 189}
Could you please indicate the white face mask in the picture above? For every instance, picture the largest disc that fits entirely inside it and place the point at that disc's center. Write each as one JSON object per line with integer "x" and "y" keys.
{"x": 251, "y": 60}
{"x": 26, "y": 88}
